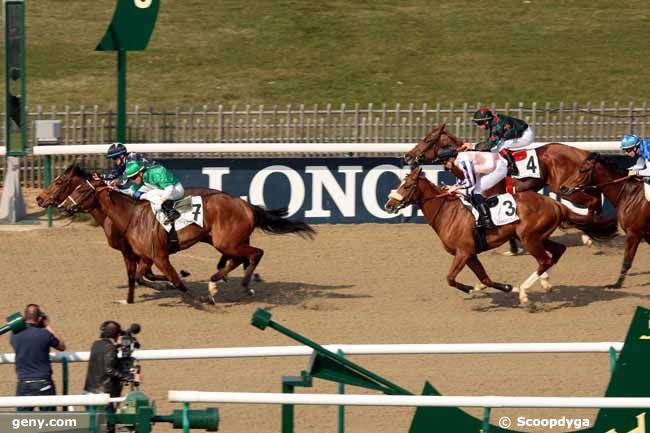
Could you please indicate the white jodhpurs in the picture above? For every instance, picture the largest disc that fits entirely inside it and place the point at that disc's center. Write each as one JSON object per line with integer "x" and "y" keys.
{"x": 487, "y": 181}
{"x": 527, "y": 138}
{"x": 158, "y": 196}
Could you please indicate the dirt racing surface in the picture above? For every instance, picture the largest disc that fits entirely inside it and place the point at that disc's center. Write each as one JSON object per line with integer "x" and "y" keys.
{"x": 352, "y": 284}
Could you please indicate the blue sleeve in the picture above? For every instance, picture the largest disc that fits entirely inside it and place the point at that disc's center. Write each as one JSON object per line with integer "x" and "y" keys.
{"x": 54, "y": 342}
{"x": 116, "y": 173}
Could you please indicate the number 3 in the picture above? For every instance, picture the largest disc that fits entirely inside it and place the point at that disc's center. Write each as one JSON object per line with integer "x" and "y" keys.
{"x": 142, "y": 4}
{"x": 511, "y": 208}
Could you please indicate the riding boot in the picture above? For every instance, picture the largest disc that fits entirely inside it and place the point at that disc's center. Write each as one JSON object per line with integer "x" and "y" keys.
{"x": 171, "y": 213}
{"x": 512, "y": 165}
{"x": 484, "y": 219}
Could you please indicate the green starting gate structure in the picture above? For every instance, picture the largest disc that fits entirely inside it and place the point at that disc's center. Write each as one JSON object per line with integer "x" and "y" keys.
{"x": 630, "y": 378}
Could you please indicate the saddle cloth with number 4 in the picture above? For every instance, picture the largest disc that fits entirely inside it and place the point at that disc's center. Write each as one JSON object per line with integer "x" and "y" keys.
{"x": 527, "y": 164}
{"x": 191, "y": 210}
{"x": 503, "y": 209}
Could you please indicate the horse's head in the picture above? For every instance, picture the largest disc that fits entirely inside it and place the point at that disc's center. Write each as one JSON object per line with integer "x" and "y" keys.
{"x": 83, "y": 198}
{"x": 583, "y": 177}
{"x": 427, "y": 149}
{"x": 62, "y": 186}
{"x": 406, "y": 193}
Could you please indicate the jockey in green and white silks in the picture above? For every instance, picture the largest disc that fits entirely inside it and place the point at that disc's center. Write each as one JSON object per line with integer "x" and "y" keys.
{"x": 505, "y": 133}
{"x": 157, "y": 185}
{"x": 634, "y": 146}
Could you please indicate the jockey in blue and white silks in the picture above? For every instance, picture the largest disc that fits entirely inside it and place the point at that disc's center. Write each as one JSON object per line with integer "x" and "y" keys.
{"x": 633, "y": 145}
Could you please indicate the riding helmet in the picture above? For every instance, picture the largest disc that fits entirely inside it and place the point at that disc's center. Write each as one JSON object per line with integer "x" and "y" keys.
{"x": 482, "y": 115}
{"x": 133, "y": 168}
{"x": 629, "y": 141}
{"x": 115, "y": 150}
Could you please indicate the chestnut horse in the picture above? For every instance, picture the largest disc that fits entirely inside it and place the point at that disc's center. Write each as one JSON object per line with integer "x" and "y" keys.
{"x": 603, "y": 173}
{"x": 228, "y": 222}
{"x": 558, "y": 162}
{"x": 539, "y": 216}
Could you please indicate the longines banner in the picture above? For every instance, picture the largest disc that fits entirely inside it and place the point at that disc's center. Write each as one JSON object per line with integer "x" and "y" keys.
{"x": 321, "y": 190}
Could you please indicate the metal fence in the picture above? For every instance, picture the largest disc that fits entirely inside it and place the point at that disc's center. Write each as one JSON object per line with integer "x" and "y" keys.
{"x": 325, "y": 123}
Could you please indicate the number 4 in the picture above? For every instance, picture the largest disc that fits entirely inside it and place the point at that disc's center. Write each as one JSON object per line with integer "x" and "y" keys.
{"x": 531, "y": 164}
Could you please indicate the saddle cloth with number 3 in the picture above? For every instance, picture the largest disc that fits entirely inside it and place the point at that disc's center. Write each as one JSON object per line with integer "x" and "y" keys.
{"x": 191, "y": 210}
{"x": 503, "y": 212}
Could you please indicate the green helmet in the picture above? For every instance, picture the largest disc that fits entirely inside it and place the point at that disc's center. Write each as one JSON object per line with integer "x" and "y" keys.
{"x": 133, "y": 168}
{"x": 482, "y": 115}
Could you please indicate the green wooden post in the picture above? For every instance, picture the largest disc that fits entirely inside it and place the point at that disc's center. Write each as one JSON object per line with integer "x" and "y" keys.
{"x": 486, "y": 420}
{"x": 612, "y": 359}
{"x": 92, "y": 411}
{"x": 121, "y": 96}
{"x": 15, "y": 77}
{"x": 186, "y": 417}
{"x": 341, "y": 408}
{"x": 66, "y": 375}
{"x": 47, "y": 167}
{"x": 287, "y": 409}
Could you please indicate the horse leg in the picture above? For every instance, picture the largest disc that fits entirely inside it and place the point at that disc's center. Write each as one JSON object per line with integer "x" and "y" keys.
{"x": 556, "y": 250}
{"x": 222, "y": 273}
{"x": 162, "y": 262}
{"x": 131, "y": 263}
{"x": 544, "y": 262}
{"x": 246, "y": 252}
{"x": 457, "y": 265}
{"x": 631, "y": 244}
{"x": 477, "y": 267}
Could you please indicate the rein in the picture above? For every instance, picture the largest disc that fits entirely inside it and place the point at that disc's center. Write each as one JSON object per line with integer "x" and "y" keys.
{"x": 612, "y": 182}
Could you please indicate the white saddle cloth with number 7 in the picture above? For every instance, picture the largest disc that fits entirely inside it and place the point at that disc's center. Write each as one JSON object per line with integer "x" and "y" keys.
{"x": 191, "y": 210}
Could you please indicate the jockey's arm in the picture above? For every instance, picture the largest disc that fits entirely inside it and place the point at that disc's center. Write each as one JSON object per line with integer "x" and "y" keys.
{"x": 484, "y": 163}
{"x": 641, "y": 168}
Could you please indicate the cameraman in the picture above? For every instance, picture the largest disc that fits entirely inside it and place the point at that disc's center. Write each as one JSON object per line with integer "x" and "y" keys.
{"x": 104, "y": 373}
{"x": 32, "y": 347}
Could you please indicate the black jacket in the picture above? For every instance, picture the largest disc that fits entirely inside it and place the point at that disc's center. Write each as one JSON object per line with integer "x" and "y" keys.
{"x": 103, "y": 374}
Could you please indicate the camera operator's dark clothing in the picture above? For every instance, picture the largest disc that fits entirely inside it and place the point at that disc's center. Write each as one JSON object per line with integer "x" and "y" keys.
{"x": 32, "y": 347}
{"x": 104, "y": 375}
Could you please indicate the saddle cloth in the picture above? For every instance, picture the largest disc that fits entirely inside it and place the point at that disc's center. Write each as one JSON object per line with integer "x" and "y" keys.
{"x": 503, "y": 209}
{"x": 527, "y": 163}
{"x": 191, "y": 210}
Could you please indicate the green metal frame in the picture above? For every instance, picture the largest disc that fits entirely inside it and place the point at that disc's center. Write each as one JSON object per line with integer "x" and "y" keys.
{"x": 11, "y": 149}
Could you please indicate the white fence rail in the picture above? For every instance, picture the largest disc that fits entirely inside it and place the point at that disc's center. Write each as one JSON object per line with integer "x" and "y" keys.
{"x": 398, "y": 148}
{"x": 347, "y": 349}
{"x": 55, "y": 400}
{"x": 407, "y": 400}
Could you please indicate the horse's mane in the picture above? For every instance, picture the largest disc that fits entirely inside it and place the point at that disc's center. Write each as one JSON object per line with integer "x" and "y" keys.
{"x": 77, "y": 170}
{"x": 616, "y": 163}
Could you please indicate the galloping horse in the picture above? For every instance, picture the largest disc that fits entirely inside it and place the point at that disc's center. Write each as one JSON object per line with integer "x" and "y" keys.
{"x": 539, "y": 216}
{"x": 558, "y": 162}
{"x": 228, "y": 222}
{"x": 626, "y": 194}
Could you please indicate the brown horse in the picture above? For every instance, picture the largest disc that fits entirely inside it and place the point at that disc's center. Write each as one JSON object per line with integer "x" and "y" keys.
{"x": 624, "y": 192}
{"x": 73, "y": 176}
{"x": 227, "y": 224}
{"x": 539, "y": 216}
{"x": 558, "y": 162}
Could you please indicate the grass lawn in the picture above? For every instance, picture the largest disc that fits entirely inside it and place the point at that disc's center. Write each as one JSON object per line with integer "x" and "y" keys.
{"x": 278, "y": 52}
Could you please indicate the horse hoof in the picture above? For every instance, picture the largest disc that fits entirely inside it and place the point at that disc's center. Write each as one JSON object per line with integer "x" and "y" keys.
{"x": 184, "y": 273}
{"x": 523, "y": 301}
{"x": 515, "y": 289}
{"x": 212, "y": 300}
{"x": 614, "y": 286}
{"x": 251, "y": 292}
{"x": 478, "y": 287}
{"x": 182, "y": 288}
{"x": 257, "y": 277}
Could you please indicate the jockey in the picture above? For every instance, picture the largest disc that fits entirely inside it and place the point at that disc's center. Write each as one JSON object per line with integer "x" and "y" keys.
{"x": 482, "y": 171}
{"x": 504, "y": 133}
{"x": 157, "y": 185}
{"x": 120, "y": 156}
{"x": 632, "y": 145}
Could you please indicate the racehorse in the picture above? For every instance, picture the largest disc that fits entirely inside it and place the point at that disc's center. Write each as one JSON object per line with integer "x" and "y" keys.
{"x": 539, "y": 216}
{"x": 603, "y": 173}
{"x": 558, "y": 162}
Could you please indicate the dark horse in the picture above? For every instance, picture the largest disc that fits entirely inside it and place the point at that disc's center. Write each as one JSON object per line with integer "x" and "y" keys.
{"x": 539, "y": 216}
{"x": 228, "y": 224}
{"x": 604, "y": 173}
{"x": 558, "y": 162}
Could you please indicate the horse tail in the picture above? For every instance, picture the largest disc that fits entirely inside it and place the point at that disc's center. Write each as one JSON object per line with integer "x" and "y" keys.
{"x": 601, "y": 229}
{"x": 275, "y": 221}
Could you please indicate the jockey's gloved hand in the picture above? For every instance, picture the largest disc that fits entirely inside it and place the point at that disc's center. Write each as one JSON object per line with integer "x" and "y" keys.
{"x": 137, "y": 195}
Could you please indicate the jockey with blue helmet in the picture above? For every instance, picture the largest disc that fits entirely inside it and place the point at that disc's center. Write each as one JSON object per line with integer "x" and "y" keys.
{"x": 632, "y": 145}
{"x": 157, "y": 185}
{"x": 121, "y": 156}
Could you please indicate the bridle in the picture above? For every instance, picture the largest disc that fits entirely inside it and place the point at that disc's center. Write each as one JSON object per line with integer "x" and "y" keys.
{"x": 407, "y": 199}
{"x": 585, "y": 185}
{"x": 75, "y": 204}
